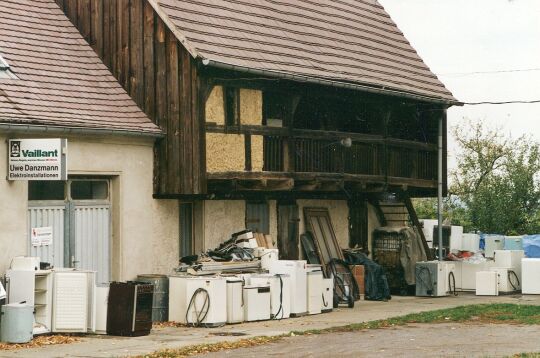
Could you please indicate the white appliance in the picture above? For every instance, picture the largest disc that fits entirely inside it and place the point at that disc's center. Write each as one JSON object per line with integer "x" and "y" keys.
{"x": 26, "y": 263}
{"x": 508, "y": 279}
{"x": 456, "y": 238}
{"x": 235, "y": 301}
{"x": 434, "y": 278}
{"x": 297, "y": 271}
{"x": 327, "y": 295}
{"x": 513, "y": 242}
{"x": 492, "y": 243}
{"x": 509, "y": 258}
{"x": 36, "y": 289}
{"x": 314, "y": 289}
{"x": 530, "y": 273}
{"x": 256, "y": 302}
{"x": 191, "y": 297}
{"x": 487, "y": 283}
{"x": 70, "y": 302}
{"x": 267, "y": 257}
{"x": 2, "y": 292}
{"x": 468, "y": 273}
{"x": 470, "y": 242}
{"x": 280, "y": 293}
{"x": 427, "y": 228}
{"x": 102, "y": 295}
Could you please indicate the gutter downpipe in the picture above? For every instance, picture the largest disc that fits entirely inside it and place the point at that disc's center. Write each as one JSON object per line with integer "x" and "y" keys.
{"x": 440, "y": 186}
{"x": 43, "y": 129}
{"x": 327, "y": 82}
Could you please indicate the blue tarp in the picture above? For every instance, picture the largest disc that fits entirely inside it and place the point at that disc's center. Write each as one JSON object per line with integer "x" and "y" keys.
{"x": 531, "y": 245}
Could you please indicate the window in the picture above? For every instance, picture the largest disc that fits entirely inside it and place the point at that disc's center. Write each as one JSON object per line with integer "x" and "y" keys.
{"x": 186, "y": 229}
{"x": 5, "y": 70}
{"x": 257, "y": 217}
{"x": 46, "y": 190}
{"x": 231, "y": 98}
{"x": 274, "y": 109}
{"x": 89, "y": 190}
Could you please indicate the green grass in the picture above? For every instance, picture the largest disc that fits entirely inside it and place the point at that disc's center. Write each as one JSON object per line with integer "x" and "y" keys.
{"x": 486, "y": 313}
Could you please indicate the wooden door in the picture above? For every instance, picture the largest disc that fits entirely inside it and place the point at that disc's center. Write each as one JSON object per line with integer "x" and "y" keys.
{"x": 358, "y": 224}
{"x": 288, "y": 231}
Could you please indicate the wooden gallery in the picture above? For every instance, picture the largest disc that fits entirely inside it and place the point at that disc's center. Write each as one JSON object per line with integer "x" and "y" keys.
{"x": 276, "y": 119}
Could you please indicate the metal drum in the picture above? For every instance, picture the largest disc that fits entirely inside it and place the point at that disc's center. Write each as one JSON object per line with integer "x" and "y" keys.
{"x": 17, "y": 323}
{"x": 160, "y": 306}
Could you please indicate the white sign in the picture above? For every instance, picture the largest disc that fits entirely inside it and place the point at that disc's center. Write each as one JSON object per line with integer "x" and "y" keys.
{"x": 37, "y": 159}
{"x": 41, "y": 236}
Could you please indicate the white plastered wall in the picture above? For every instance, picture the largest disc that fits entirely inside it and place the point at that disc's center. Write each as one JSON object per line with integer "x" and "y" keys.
{"x": 144, "y": 230}
{"x": 221, "y": 219}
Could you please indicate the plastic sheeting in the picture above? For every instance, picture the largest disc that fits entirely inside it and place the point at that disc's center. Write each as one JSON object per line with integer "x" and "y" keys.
{"x": 531, "y": 246}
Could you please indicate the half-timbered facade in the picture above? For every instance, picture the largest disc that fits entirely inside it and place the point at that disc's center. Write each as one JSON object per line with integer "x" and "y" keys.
{"x": 271, "y": 107}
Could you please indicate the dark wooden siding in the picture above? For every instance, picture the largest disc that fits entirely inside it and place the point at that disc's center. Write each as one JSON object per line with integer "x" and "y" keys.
{"x": 160, "y": 76}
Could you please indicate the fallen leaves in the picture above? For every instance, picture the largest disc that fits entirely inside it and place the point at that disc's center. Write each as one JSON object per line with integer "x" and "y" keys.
{"x": 41, "y": 341}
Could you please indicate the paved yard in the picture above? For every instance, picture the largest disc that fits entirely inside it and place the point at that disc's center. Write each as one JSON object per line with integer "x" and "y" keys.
{"x": 105, "y": 346}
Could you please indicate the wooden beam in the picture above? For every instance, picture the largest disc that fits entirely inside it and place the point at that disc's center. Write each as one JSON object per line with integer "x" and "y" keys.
{"x": 149, "y": 61}
{"x": 414, "y": 218}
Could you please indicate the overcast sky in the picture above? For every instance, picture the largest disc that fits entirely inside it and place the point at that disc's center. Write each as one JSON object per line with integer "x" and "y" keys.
{"x": 458, "y": 37}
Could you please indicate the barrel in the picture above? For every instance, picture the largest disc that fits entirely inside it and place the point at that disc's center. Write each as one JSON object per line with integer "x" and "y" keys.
{"x": 160, "y": 305}
{"x": 16, "y": 323}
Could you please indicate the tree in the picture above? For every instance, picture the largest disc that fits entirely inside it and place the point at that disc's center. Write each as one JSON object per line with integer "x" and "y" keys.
{"x": 496, "y": 180}
{"x": 495, "y": 187}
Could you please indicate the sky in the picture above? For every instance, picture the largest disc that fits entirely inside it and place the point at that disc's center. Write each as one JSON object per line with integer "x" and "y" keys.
{"x": 458, "y": 38}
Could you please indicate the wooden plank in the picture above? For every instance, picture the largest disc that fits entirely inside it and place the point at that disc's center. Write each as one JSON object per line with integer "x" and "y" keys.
{"x": 196, "y": 159}
{"x": 174, "y": 150}
{"x": 97, "y": 17}
{"x": 247, "y": 152}
{"x": 113, "y": 41}
{"x": 161, "y": 118}
{"x": 70, "y": 9}
{"x": 414, "y": 218}
{"x": 83, "y": 19}
{"x": 203, "y": 91}
{"x": 149, "y": 66}
{"x": 107, "y": 51}
{"x": 60, "y": 4}
{"x": 122, "y": 43}
{"x": 186, "y": 123}
{"x": 136, "y": 61}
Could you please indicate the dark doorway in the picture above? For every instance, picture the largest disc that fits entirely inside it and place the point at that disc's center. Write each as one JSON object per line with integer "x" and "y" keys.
{"x": 358, "y": 224}
{"x": 288, "y": 230}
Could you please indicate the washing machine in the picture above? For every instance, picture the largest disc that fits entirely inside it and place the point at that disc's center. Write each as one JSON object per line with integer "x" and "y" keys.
{"x": 198, "y": 301}
{"x": 314, "y": 289}
{"x": 297, "y": 271}
{"x": 235, "y": 301}
{"x": 327, "y": 295}
{"x": 434, "y": 278}
{"x": 280, "y": 293}
{"x": 508, "y": 279}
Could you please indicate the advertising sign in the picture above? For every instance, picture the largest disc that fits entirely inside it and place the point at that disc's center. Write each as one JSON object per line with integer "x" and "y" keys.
{"x": 41, "y": 236}
{"x": 37, "y": 159}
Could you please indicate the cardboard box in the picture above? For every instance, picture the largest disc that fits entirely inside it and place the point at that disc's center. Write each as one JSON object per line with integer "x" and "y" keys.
{"x": 359, "y": 274}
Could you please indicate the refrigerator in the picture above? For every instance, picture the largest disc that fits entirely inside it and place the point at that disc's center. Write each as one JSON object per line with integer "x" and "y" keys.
{"x": 297, "y": 271}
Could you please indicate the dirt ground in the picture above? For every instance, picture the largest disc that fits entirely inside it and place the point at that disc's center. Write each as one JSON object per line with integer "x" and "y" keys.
{"x": 421, "y": 340}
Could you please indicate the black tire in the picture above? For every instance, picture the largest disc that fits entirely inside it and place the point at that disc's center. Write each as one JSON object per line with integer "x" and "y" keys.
{"x": 336, "y": 300}
{"x": 350, "y": 301}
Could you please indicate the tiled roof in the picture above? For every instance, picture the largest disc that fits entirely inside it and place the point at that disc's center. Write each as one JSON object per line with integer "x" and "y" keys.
{"x": 60, "y": 80}
{"x": 350, "y": 41}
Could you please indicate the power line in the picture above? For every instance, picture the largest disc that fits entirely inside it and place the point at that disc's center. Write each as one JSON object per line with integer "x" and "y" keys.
{"x": 503, "y": 102}
{"x": 488, "y": 72}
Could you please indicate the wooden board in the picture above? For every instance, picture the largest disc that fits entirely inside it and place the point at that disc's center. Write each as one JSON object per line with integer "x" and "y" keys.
{"x": 318, "y": 223}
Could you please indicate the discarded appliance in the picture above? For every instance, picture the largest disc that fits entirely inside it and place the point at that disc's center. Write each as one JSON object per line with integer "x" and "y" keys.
{"x": 16, "y": 323}
{"x": 235, "y": 301}
{"x": 129, "y": 309}
{"x": 256, "y": 302}
{"x": 435, "y": 278}
{"x": 267, "y": 257}
{"x": 487, "y": 283}
{"x": 314, "y": 289}
{"x": 102, "y": 297}
{"x": 470, "y": 242}
{"x": 160, "y": 306}
{"x": 297, "y": 271}
{"x": 327, "y": 295}
{"x": 508, "y": 279}
{"x": 530, "y": 272}
{"x": 456, "y": 238}
{"x": 2, "y": 294}
{"x": 509, "y": 258}
{"x": 465, "y": 273}
{"x": 492, "y": 243}
{"x": 513, "y": 242}
{"x": 280, "y": 293}
{"x": 27, "y": 263}
{"x": 198, "y": 301}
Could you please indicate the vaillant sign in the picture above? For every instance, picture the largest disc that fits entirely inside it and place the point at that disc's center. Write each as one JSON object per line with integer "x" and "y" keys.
{"x": 37, "y": 159}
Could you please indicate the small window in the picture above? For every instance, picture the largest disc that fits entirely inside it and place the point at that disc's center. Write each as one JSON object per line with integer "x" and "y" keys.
{"x": 5, "y": 70}
{"x": 46, "y": 190}
{"x": 257, "y": 217}
{"x": 89, "y": 189}
{"x": 274, "y": 109}
{"x": 232, "y": 106}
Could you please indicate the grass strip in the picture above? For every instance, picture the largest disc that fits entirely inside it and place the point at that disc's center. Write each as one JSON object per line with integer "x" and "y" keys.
{"x": 484, "y": 313}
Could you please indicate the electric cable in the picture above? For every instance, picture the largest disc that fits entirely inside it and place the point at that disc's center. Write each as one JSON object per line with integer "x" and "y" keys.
{"x": 512, "y": 273}
{"x": 280, "y": 310}
{"x": 452, "y": 283}
{"x": 200, "y": 315}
